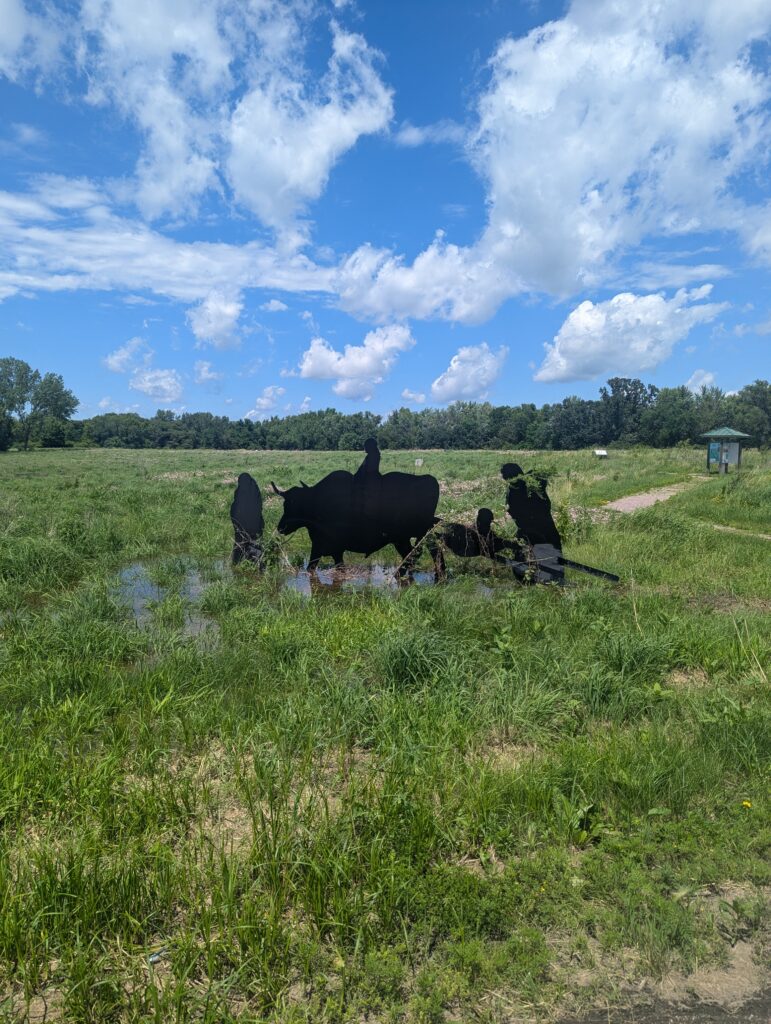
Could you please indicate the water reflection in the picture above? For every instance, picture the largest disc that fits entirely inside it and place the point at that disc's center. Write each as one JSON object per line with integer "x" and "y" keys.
{"x": 143, "y": 586}
{"x": 355, "y": 577}
{"x": 140, "y": 591}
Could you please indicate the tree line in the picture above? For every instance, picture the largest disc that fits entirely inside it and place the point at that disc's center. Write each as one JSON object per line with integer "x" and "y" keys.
{"x": 38, "y": 410}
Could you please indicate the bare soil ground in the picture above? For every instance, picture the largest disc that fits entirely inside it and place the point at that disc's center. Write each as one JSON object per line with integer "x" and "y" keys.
{"x": 659, "y": 1011}
{"x": 634, "y": 501}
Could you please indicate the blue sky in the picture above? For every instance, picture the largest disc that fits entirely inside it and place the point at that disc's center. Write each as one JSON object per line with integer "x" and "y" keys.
{"x": 259, "y": 207}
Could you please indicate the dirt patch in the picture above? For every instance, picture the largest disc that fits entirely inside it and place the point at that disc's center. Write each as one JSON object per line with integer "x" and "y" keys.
{"x": 181, "y": 475}
{"x": 633, "y": 502}
{"x": 731, "y": 605}
{"x": 228, "y": 826}
{"x": 455, "y": 488}
{"x": 728, "y": 986}
{"x": 596, "y": 515}
{"x": 691, "y": 678}
{"x": 488, "y": 863}
{"x": 503, "y": 754}
{"x": 44, "y": 1008}
{"x": 755, "y": 1011}
{"x": 741, "y": 533}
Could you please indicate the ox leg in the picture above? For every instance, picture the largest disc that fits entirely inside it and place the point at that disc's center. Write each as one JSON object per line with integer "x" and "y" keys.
{"x": 436, "y": 551}
{"x": 315, "y": 558}
{"x": 338, "y": 557}
{"x": 405, "y": 549}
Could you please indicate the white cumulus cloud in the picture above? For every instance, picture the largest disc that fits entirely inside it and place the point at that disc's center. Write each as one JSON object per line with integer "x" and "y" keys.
{"x": 265, "y": 402}
{"x": 627, "y": 334}
{"x": 623, "y": 121}
{"x": 215, "y": 319}
{"x": 283, "y": 144}
{"x": 274, "y": 306}
{"x": 471, "y": 373}
{"x": 358, "y": 368}
{"x": 219, "y": 91}
{"x": 136, "y": 352}
{"x": 165, "y": 385}
{"x": 415, "y": 397}
{"x": 411, "y": 135}
{"x": 700, "y": 379}
{"x": 204, "y": 374}
{"x": 27, "y": 40}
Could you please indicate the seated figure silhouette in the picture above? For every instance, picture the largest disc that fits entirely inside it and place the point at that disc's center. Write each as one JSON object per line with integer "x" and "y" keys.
{"x": 478, "y": 541}
{"x": 248, "y": 524}
{"x": 371, "y": 465}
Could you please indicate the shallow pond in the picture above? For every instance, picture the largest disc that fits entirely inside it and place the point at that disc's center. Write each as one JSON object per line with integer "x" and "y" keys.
{"x": 140, "y": 590}
{"x": 143, "y": 586}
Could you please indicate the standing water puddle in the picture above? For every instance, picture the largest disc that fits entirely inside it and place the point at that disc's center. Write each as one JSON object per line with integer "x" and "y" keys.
{"x": 138, "y": 590}
{"x": 357, "y": 577}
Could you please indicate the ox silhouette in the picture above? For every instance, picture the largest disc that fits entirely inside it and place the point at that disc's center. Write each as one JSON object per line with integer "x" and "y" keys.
{"x": 362, "y": 514}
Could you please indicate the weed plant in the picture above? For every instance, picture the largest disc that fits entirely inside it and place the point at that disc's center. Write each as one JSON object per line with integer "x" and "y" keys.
{"x": 428, "y": 804}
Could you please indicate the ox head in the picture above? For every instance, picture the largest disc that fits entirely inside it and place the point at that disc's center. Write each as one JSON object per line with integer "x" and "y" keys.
{"x": 296, "y": 508}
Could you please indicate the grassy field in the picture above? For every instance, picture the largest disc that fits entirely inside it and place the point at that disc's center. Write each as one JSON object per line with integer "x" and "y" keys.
{"x": 222, "y": 800}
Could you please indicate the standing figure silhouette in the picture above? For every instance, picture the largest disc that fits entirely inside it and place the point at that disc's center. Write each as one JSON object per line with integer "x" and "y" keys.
{"x": 529, "y": 506}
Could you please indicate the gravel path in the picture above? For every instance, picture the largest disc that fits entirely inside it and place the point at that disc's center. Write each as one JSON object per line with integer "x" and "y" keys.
{"x": 634, "y": 501}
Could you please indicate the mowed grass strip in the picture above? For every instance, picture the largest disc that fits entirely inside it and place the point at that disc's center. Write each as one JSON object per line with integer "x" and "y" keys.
{"x": 441, "y": 803}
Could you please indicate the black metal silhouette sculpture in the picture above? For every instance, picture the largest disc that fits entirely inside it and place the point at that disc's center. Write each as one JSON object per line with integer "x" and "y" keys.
{"x": 248, "y": 524}
{"x": 478, "y": 541}
{"x": 371, "y": 465}
{"x": 540, "y": 559}
{"x": 529, "y": 506}
{"x": 362, "y": 512}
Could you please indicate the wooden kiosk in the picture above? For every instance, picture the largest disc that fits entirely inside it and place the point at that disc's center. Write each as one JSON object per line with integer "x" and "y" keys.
{"x": 724, "y": 448}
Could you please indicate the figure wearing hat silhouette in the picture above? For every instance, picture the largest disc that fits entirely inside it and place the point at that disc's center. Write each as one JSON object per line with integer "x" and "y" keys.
{"x": 529, "y": 506}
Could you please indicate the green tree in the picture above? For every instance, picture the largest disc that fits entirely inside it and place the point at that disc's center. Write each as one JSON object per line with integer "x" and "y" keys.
{"x": 671, "y": 419}
{"x": 574, "y": 424}
{"x": 710, "y": 409}
{"x": 32, "y": 399}
{"x": 18, "y": 382}
{"x": 622, "y": 404}
{"x": 6, "y": 431}
{"x": 52, "y": 403}
{"x": 51, "y": 432}
{"x": 750, "y": 411}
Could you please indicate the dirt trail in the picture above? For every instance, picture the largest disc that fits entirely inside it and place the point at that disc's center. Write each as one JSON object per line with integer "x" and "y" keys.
{"x": 647, "y": 498}
{"x": 634, "y": 501}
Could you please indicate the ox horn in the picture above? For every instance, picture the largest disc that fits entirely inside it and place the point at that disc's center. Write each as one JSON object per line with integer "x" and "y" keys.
{"x": 303, "y": 483}
{"x": 281, "y": 494}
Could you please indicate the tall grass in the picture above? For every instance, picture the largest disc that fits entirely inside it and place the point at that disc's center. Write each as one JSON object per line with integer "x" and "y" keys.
{"x": 364, "y": 802}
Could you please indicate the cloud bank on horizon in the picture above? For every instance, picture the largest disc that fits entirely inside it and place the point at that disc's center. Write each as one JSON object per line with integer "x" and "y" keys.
{"x": 226, "y": 176}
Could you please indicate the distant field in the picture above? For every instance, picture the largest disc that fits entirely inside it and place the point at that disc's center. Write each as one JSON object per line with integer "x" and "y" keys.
{"x": 223, "y": 800}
